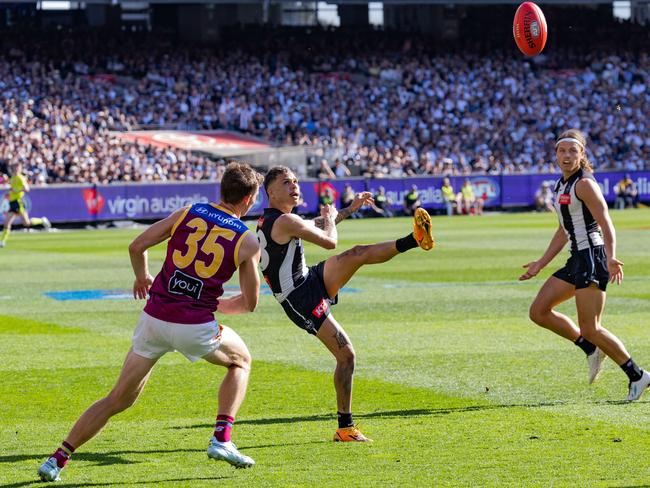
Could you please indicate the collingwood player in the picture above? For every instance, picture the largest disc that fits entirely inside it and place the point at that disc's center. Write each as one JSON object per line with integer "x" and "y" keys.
{"x": 307, "y": 293}
{"x": 586, "y": 225}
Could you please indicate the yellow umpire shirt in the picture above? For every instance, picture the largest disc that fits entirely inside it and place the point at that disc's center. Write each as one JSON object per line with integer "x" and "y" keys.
{"x": 17, "y": 184}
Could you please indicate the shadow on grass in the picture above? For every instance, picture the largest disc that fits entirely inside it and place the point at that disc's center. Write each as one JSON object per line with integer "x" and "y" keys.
{"x": 420, "y": 412}
{"x": 116, "y": 483}
{"x": 115, "y": 457}
{"x": 98, "y": 458}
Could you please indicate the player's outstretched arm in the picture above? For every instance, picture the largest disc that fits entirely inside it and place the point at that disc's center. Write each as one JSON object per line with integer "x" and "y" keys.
{"x": 155, "y": 234}
{"x": 360, "y": 199}
{"x": 289, "y": 225}
{"x": 589, "y": 192}
{"x": 249, "y": 279}
{"x": 558, "y": 241}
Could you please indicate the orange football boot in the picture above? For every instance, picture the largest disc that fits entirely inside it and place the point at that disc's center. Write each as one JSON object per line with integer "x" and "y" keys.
{"x": 350, "y": 434}
{"x": 422, "y": 229}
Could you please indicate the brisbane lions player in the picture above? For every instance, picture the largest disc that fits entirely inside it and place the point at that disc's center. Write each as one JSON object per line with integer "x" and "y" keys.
{"x": 207, "y": 244}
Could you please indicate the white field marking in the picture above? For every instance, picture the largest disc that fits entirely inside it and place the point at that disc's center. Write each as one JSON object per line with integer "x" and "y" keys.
{"x": 451, "y": 284}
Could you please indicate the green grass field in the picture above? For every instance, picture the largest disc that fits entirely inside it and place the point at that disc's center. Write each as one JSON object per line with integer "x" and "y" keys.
{"x": 454, "y": 383}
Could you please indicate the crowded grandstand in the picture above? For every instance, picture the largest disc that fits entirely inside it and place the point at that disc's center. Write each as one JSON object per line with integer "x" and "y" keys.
{"x": 366, "y": 103}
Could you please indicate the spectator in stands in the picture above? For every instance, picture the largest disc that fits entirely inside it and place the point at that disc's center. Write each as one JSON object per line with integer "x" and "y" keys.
{"x": 448, "y": 196}
{"x": 340, "y": 169}
{"x": 325, "y": 172}
{"x": 382, "y": 204}
{"x": 412, "y": 200}
{"x": 467, "y": 201}
{"x": 544, "y": 198}
{"x": 347, "y": 197}
{"x": 326, "y": 198}
{"x": 626, "y": 193}
{"x": 393, "y": 113}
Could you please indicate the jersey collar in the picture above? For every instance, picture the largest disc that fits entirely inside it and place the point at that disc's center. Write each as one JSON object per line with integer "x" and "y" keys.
{"x": 573, "y": 177}
{"x": 223, "y": 209}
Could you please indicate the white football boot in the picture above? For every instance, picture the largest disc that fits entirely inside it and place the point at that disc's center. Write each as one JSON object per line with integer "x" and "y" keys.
{"x": 227, "y": 451}
{"x": 49, "y": 470}
{"x": 638, "y": 387}
{"x": 595, "y": 361}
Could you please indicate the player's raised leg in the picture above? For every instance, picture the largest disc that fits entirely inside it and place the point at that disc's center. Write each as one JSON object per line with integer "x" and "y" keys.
{"x": 337, "y": 341}
{"x": 233, "y": 354}
{"x": 542, "y": 311}
{"x": 340, "y": 268}
{"x": 133, "y": 377}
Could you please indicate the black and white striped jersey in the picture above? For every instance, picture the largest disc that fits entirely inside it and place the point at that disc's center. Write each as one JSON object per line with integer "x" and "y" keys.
{"x": 283, "y": 265}
{"x": 580, "y": 227}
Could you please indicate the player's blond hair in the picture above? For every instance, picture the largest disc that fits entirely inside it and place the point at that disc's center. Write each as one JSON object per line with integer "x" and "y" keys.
{"x": 578, "y": 135}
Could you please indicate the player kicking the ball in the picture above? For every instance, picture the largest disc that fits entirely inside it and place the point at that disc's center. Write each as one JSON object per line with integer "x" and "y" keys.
{"x": 207, "y": 244}
{"x": 307, "y": 293}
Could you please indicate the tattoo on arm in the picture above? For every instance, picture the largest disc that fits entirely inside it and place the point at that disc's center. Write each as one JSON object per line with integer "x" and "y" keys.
{"x": 344, "y": 213}
{"x": 341, "y": 340}
{"x": 320, "y": 223}
{"x": 329, "y": 227}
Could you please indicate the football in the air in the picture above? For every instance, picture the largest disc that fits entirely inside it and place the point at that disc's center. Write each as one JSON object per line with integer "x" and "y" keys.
{"x": 529, "y": 29}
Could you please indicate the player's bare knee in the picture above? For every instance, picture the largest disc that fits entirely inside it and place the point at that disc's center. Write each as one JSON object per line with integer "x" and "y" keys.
{"x": 347, "y": 357}
{"x": 537, "y": 312}
{"x": 241, "y": 359}
{"x": 360, "y": 250}
{"x": 356, "y": 252}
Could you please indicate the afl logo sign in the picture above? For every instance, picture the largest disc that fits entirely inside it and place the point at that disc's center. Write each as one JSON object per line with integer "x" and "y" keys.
{"x": 485, "y": 188}
{"x": 534, "y": 28}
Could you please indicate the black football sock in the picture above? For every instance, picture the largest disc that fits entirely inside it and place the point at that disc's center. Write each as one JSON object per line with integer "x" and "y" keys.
{"x": 345, "y": 420}
{"x": 406, "y": 243}
{"x": 585, "y": 345}
{"x": 632, "y": 370}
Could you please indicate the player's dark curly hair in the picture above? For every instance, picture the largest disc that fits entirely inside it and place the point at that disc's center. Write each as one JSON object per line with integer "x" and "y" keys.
{"x": 239, "y": 180}
{"x": 273, "y": 174}
{"x": 580, "y": 136}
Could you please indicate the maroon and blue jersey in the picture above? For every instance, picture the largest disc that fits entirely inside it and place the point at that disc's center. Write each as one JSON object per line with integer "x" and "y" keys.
{"x": 202, "y": 255}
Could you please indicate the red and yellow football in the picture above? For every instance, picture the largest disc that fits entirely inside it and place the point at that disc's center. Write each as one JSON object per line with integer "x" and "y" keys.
{"x": 529, "y": 29}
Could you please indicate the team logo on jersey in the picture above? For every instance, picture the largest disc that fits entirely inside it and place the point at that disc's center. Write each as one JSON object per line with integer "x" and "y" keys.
{"x": 320, "y": 309}
{"x": 182, "y": 284}
{"x": 564, "y": 199}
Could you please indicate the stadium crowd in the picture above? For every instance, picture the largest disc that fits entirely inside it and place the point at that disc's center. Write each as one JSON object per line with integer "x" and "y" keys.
{"x": 375, "y": 105}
